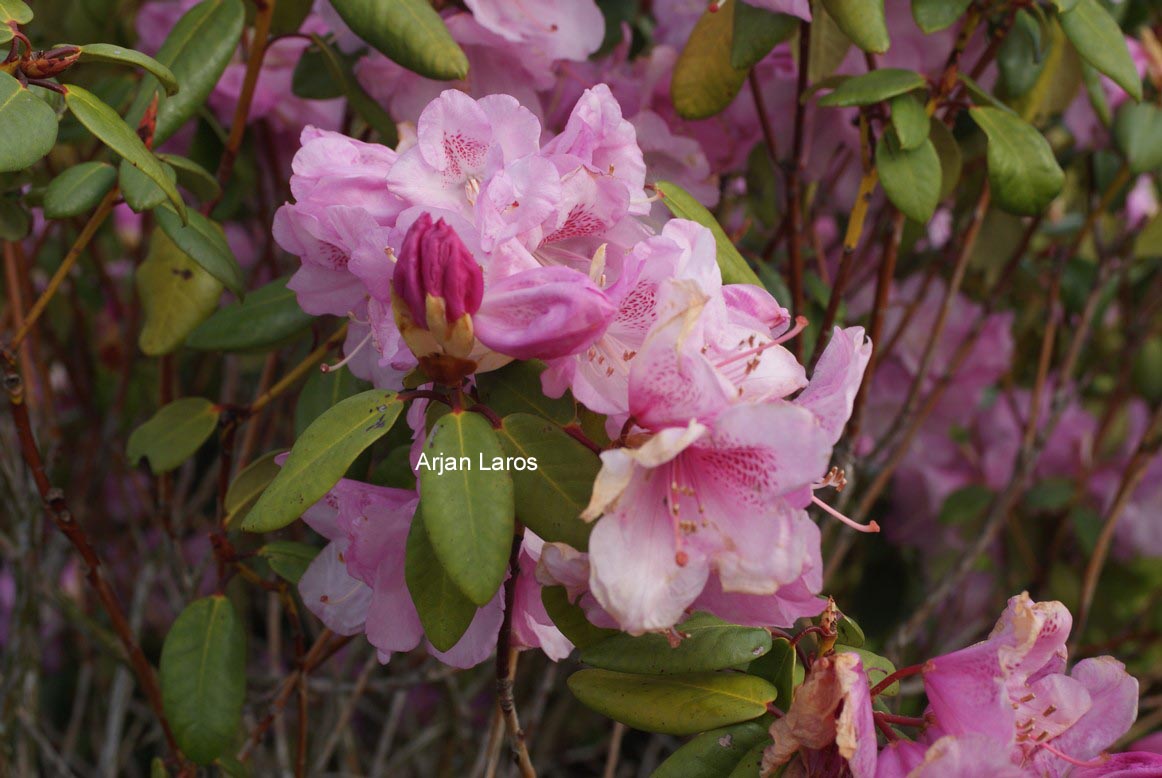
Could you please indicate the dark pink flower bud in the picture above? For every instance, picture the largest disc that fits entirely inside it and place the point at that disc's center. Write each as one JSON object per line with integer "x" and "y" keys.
{"x": 435, "y": 266}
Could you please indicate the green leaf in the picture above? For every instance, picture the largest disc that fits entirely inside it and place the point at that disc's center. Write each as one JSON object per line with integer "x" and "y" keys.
{"x": 750, "y": 766}
{"x": 409, "y": 32}
{"x": 1097, "y": 95}
{"x": 715, "y": 753}
{"x": 321, "y": 392}
{"x": 911, "y": 178}
{"x": 951, "y": 160}
{"x": 756, "y": 31}
{"x": 673, "y": 704}
{"x": 1101, "y": 43}
{"x": 78, "y": 189}
{"x": 249, "y": 485}
{"x": 965, "y": 505}
{"x": 367, "y": 108}
{"x": 829, "y": 45}
{"x": 266, "y": 318}
{"x": 704, "y": 82}
{"x": 874, "y": 87}
{"x": 570, "y": 618}
{"x": 14, "y": 11}
{"x": 781, "y": 667}
{"x": 516, "y": 388}
{"x": 107, "y": 52}
{"x": 935, "y": 15}
{"x": 193, "y": 176}
{"x": 173, "y": 434}
{"x": 1138, "y": 133}
{"x": 36, "y": 120}
{"x": 321, "y": 456}
{"x": 1023, "y": 173}
{"x": 850, "y": 633}
{"x": 862, "y": 21}
{"x": 876, "y": 667}
{"x": 289, "y": 16}
{"x": 468, "y": 511}
{"x": 1146, "y": 371}
{"x": 708, "y": 643}
{"x": 1063, "y": 6}
{"x": 682, "y": 204}
{"x": 1021, "y": 57}
{"x": 176, "y": 296}
{"x": 205, "y": 243}
{"x": 312, "y": 80}
{"x": 140, "y": 193}
{"x": 203, "y": 677}
{"x": 111, "y": 129}
{"x": 288, "y": 558}
{"x": 549, "y": 499}
{"x": 445, "y": 612}
{"x": 1052, "y": 494}
{"x": 910, "y": 121}
{"x": 197, "y": 51}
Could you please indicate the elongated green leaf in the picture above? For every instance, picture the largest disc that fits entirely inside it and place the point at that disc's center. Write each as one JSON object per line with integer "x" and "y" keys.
{"x": 288, "y": 558}
{"x": 468, "y": 511}
{"x": 549, "y": 499}
{"x": 107, "y": 52}
{"x": 1138, "y": 133}
{"x": 951, "y": 160}
{"x": 734, "y": 268}
{"x": 312, "y": 79}
{"x": 781, "y": 667}
{"x": 862, "y": 21}
{"x": 249, "y": 485}
{"x": 911, "y": 178}
{"x": 673, "y": 704}
{"x": 1023, "y": 173}
{"x": 756, "y": 31}
{"x": 704, "y": 81}
{"x": 708, "y": 643}
{"x": 935, "y": 15}
{"x": 14, "y": 11}
{"x": 203, "y": 677}
{"x": 367, "y": 108}
{"x": 1021, "y": 57}
{"x": 750, "y": 766}
{"x": 321, "y": 456}
{"x": 111, "y": 129}
{"x": 516, "y": 388}
{"x": 205, "y": 243}
{"x": 289, "y": 16}
{"x": 445, "y": 612}
{"x": 1101, "y": 43}
{"x": 715, "y": 753}
{"x": 829, "y": 45}
{"x": 197, "y": 51}
{"x": 36, "y": 120}
{"x": 140, "y": 193}
{"x": 193, "y": 176}
{"x": 570, "y": 618}
{"x": 173, "y": 434}
{"x": 266, "y": 318}
{"x": 409, "y": 32}
{"x": 910, "y": 121}
{"x": 78, "y": 189}
{"x": 874, "y": 87}
{"x": 176, "y": 296}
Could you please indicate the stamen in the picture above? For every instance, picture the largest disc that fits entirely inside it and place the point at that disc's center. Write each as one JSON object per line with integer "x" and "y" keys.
{"x": 871, "y": 526}
{"x": 597, "y": 266}
{"x": 800, "y": 325}
{"x": 331, "y": 368}
{"x": 835, "y": 477}
{"x": 1077, "y": 762}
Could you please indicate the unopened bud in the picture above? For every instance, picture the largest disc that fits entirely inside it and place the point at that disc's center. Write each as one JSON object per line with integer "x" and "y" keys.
{"x": 46, "y": 64}
{"x": 436, "y": 287}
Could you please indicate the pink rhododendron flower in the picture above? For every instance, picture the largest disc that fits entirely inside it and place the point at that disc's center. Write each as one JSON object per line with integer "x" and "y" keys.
{"x": 1012, "y": 688}
{"x": 560, "y": 29}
